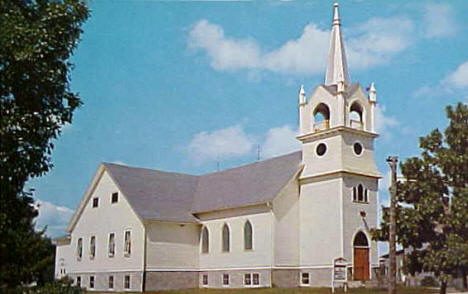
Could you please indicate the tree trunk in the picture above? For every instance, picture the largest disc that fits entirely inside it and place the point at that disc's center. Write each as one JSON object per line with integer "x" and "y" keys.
{"x": 464, "y": 279}
{"x": 443, "y": 286}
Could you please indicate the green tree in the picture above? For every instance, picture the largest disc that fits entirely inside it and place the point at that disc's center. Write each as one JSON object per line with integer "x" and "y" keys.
{"x": 432, "y": 210}
{"x": 37, "y": 38}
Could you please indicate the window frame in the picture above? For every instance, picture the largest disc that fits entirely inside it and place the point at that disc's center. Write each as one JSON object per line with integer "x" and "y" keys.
{"x": 225, "y": 277}
{"x": 317, "y": 151}
{"x": 253, "y": 278}
{"x": 79, "y": 249}
{"x": 248, "y": 277}
{"x": 204, "y": 282}
{"x": 205, "y": 239}
{"x": 95, "y": 202}
{"x": 305, "y": 275}
{"x": 357, "y": 142}
{"x": 111, "y": 282}
{"x": 127, "y": 250}
{"x": 109, "y": 253}
{"x": 246, "y": 224}
{"x": 91, "y": 282}
{"x": 255, "y": 284}
{"x": 92, "y": 247}
{"x": 225, "y": 247}
{"x": 78, "y": 281}
{"x": 355, "y": 194}
{"x": 125, "y": 282}
{"x": 112, "y": 197}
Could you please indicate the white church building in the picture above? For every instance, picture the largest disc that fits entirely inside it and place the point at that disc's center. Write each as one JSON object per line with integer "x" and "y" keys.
{"x": 278, "y": 222}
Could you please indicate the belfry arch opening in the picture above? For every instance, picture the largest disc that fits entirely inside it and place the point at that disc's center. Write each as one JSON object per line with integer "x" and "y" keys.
{"x": 356, "y": 118}
{"x": 361, "y": 265}
{"x": 321, "y": 117}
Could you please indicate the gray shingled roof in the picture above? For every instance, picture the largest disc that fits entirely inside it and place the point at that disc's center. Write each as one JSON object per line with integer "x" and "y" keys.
{"x": 156, "y": 195}
{"x": 165, "y": 196}
{"x": 254, "y": 183}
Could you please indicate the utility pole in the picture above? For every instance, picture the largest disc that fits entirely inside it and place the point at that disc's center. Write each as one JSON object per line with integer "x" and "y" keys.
{"x": 392, "y": 162}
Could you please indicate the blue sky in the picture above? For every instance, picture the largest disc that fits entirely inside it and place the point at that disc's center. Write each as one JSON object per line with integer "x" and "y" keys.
{"x": 180, "y": 86}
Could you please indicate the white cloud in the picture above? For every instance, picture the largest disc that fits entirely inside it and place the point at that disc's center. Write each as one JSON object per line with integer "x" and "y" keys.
{"x": 224, "y": 143}
{"x": 455, "y": 83}
{"x": 280, "y": 141}
{"x": 305, "y": 55}
{"x": 438, "y": 21}
{"x": 377, "y": 40}
{"x": 458, "y": 78}
{"x": 234, "y": 142}
{"x": 384, "y": 123}
{"x": 372, "y": 43}
{"x": 55, "y": 217}
{"x": 224, "y": 53}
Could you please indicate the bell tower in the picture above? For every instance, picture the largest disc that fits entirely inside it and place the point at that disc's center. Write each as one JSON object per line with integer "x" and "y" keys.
{"x": 339, "y": 182}
{"x": 337, "y": 113}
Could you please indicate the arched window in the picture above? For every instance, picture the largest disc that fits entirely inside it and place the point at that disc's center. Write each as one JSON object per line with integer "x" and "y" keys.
{"x": 128, "y": 243}
{"x": 226, "y": 238}
{"x": 360, "y": 191}
{"x": 321, "y": 117}
{"x": 360, "y": 194}
{"x": 111, "y": 244}
{"x": 248, "y": 236}
{"x": 360, "y": 240}
{"x": 205, "y": 240}
{"x": 355, "y": 116}
{"x": 92, "y": 247}
{"x": 79, "y": 248}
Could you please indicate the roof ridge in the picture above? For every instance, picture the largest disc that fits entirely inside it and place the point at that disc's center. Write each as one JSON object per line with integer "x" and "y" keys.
{"x": 252, "y": 163}
{"x": 146, "y": 168}
{"x": 192, "y": 175}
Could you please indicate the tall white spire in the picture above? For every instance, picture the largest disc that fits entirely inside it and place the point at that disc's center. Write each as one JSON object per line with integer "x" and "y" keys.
{"x": 337, "y": 67}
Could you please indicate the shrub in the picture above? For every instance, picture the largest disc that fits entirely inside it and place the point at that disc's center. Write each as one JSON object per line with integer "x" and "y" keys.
{"x": 62, "y": 286}
{"x": 429, "y": 282}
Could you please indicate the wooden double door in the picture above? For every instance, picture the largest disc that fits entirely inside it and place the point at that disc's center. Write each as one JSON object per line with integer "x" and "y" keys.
{"x": 361, "y": 264}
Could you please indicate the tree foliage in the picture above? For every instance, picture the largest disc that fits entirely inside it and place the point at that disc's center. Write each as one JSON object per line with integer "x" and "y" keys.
{"x": 37, "y": 38}
{"x": 432, "y": 210}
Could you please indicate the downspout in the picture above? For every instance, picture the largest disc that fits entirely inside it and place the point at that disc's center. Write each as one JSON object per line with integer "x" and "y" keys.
{"x": 272, "y": 245}
{"x": 145, "y": 247}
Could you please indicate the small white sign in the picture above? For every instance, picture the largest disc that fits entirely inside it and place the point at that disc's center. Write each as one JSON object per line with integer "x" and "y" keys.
{"x": 340, "y": 274}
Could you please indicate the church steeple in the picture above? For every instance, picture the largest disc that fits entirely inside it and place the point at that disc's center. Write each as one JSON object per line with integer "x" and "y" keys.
{"x": 337, "y": 66}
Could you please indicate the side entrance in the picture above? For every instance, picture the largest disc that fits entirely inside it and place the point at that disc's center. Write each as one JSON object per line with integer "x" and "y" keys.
{"x": 361, "y": 258}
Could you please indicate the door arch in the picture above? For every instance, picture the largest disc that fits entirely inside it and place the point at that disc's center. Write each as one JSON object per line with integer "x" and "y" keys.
{"x": 361, "y": 266}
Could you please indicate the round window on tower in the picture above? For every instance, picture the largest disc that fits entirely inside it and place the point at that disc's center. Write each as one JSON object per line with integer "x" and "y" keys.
{"x": 357, "y": 148}
{"x": 321, "y": 149}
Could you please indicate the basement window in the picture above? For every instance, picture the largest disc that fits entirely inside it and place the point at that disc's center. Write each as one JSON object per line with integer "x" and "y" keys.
{"x": 127, "y": 282}
{"x": 111, "y": 282}
{"x": 91, "y": 282}
{"x": 225, "y": 280}
{"x": 256, "y": 279}
{"x": 247, "y": 280}
{"x": 305, "y": 279}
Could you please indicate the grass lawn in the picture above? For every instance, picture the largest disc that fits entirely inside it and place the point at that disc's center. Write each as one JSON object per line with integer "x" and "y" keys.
{"x": 406, "y": 290}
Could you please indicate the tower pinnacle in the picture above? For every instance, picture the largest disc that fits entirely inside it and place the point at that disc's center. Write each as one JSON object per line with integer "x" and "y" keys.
{"x": 337, "y": 66}
{"x": 302, "y": 96}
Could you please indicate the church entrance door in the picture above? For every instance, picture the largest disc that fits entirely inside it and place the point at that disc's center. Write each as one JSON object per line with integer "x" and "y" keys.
{"x": 361, "y": 258}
